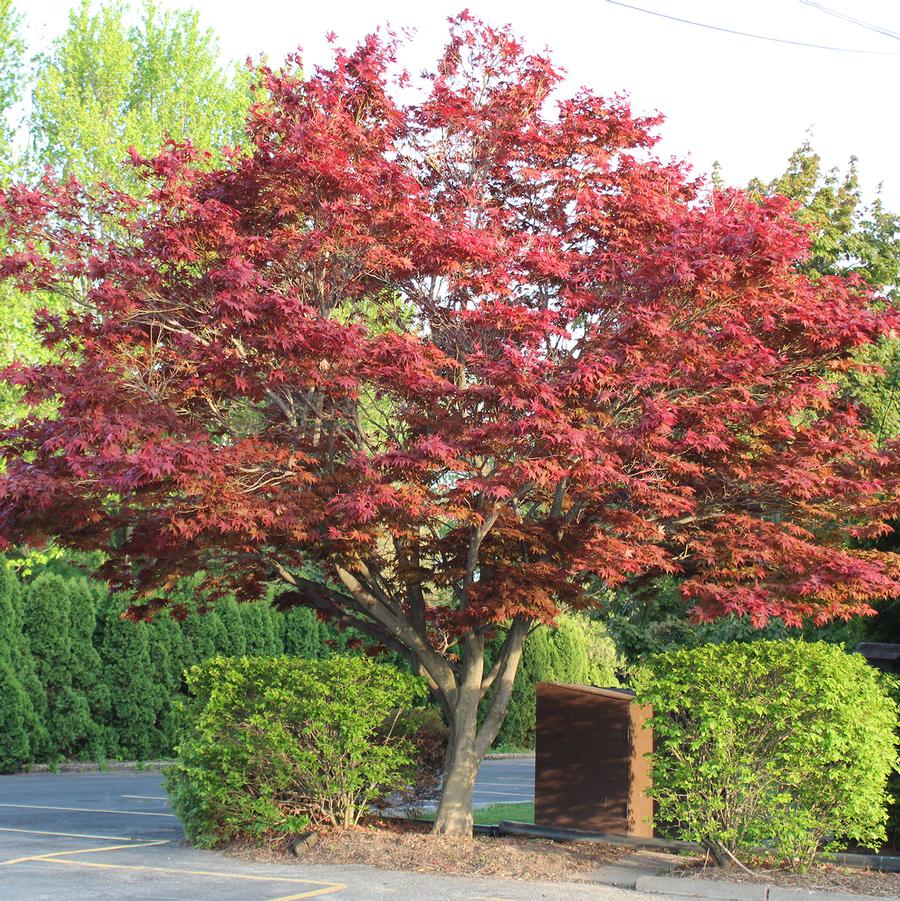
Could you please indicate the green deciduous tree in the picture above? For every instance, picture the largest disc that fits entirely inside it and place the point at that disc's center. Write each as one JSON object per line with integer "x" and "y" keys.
{"x": 12, "y": 81}
{"x": 112, "y": 80}
{"x": 107, "y": 85}
{"x": 850, "y": 237}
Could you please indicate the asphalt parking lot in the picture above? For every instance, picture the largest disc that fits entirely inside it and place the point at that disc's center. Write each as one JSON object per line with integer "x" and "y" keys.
{"x": 113, "y": 835}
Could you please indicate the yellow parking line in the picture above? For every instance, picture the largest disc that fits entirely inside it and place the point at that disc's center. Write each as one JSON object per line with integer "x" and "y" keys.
{"x": 54, "y": 856}
{"x": 327, "y": 887}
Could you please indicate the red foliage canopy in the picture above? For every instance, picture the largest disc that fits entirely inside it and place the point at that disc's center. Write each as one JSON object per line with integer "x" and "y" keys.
{"x": 460, "y": 357}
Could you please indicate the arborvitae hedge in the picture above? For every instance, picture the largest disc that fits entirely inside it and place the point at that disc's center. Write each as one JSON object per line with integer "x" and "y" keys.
{"x": 76, "y": 680}
{"x": 23, "y": 705}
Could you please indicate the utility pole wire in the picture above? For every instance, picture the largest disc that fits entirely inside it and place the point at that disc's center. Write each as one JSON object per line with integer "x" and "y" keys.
{"x": 878, "y": 29}
{"x": 747, "y": 34}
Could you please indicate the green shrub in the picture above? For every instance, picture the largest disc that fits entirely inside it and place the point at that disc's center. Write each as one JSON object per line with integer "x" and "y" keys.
{"x": 274, "y": 744}
{"x": 783, "y": 745}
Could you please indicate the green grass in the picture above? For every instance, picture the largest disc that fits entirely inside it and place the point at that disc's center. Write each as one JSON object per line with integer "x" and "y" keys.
{"x": 522, "y": 812}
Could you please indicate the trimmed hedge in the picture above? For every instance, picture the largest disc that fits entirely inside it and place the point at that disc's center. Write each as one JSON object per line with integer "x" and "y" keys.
{"x": 274, "y": 744}
{"x": 780, "y": 745}
{"x": 78, "y": 681}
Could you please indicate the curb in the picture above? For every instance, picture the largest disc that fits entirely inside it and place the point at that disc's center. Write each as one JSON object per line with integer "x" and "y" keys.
{"x": 137, "y": 766}
{"x": 738, "y": 891}
{"x": 881, "y": 862}
{"x": 511, "y": 755}
{"x": 510, "y": 827}
{"x": 702, "y": 888}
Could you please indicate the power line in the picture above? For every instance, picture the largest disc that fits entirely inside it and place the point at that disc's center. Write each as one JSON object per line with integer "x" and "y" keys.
{"x": 878, "y": 29}
{"x": 746, "y": 34}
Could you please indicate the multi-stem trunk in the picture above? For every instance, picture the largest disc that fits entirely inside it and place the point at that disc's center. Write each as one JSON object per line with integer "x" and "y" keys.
{"x": 458, "y": 687}
{"x": 467, "y": 741}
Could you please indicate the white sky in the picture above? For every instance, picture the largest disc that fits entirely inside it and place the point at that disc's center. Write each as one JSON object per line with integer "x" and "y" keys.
{"x": 746, "y": 103}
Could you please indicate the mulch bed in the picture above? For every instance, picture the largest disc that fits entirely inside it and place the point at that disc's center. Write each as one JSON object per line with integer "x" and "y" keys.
{"x": 401, "y": 845}
{"x": 406, "y": 845}
{"x": 824, "y": 877}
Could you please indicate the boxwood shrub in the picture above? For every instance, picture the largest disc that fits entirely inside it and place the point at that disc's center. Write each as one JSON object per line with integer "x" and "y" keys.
{"x": 785, "y": 746}
{"x": 276, "y": 744}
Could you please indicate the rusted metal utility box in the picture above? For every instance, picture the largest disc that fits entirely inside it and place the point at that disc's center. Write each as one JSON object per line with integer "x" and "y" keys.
{"x": 591, "y": 772}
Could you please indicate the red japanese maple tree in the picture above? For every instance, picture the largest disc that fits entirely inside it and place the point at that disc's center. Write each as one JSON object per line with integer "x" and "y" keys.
{"x": 442, "y": 367}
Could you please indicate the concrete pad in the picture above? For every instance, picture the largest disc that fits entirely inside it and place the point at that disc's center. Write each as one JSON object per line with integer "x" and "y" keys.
{"x": 626, "y": 872}
{"x": 622, "y": 877}
{"x": 703, "y": 888}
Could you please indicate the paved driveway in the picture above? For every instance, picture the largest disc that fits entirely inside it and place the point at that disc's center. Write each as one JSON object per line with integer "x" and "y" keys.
{"x": 506, "y": 781}
{"x": 112, "y": 835}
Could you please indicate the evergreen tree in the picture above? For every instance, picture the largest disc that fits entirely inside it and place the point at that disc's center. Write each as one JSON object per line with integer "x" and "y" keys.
{"x": 16, "y": 712}
{"x": 167, "y": 652}
{"x": 135, "y": 697}
{"x": 47, "y": 625}
{"x": 233, "y": 624}
{"x": 85, "y": 666}
{"x": 204, "y": 636}
{"x": 304, "y": 635}
{"x": 259, "y": 628}
{"x": 18, "y": 647}
{"x": 577, "y": 651}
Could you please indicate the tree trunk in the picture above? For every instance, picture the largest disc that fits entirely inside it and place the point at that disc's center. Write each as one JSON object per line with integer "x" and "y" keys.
{"x": 467, "y": 743}
{"x": 461, "y": 762}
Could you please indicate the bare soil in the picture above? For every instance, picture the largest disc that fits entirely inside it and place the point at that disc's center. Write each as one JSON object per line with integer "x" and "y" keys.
{"x": 406, "y": 846}
{"x": 825, "y": 877}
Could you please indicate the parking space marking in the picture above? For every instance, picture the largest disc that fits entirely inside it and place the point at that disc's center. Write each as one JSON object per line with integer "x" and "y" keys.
{"x": 478, "y": 784}
{"x": 328, "y": 888}
{"x": 134, "y": 813}
{"x": 53, "y": 856}
{"x": 479, "y": 791}
{"x": 108, "y": 838}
